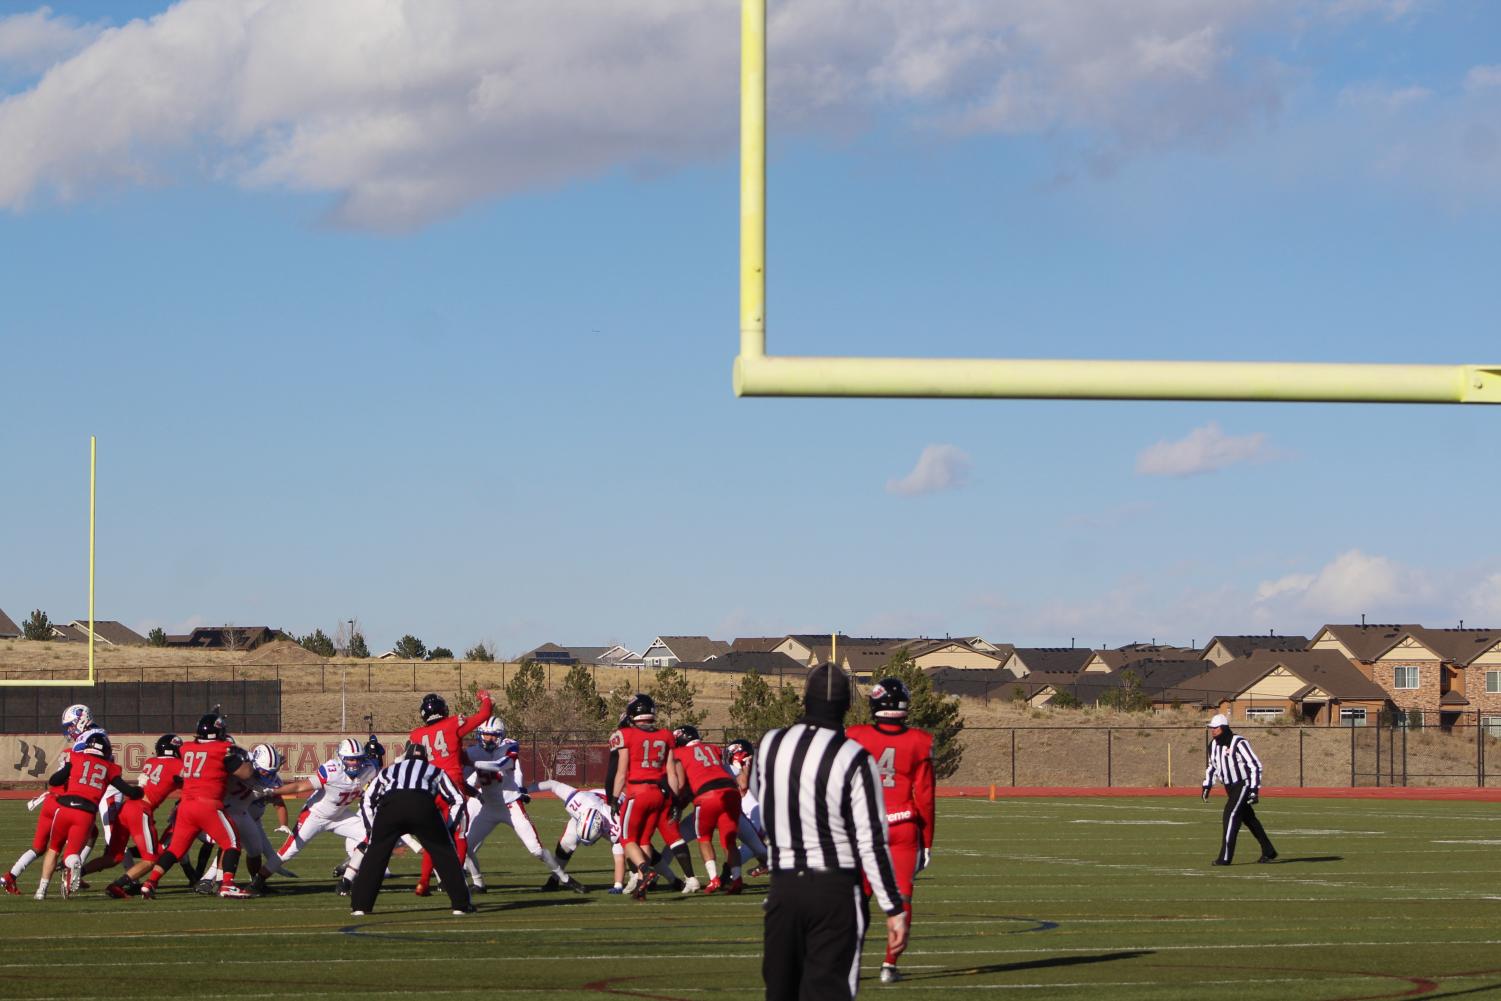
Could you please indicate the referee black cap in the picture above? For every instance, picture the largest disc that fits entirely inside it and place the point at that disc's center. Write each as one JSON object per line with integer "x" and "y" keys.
{"x": 416, "y": 752}
{"x": 827, "y": 695}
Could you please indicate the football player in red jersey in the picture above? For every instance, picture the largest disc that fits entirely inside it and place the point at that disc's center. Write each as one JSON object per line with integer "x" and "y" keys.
{"x": 80, "y": 785}
{"x": 207, "y": 764}
{"x": 443, "y": 736}
{"x": 641, "y": 791}
{"x": 700, "y": 768}
{"x": 904, "y": 759}
{"x": 137, "y": 820}
{"x": 77, "y": 720}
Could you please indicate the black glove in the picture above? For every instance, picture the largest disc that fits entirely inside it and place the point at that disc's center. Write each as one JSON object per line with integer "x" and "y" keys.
{"x": 1206, "y": 793}
{"x": 523, "y": 798}
{"x": 1253, "y": 797}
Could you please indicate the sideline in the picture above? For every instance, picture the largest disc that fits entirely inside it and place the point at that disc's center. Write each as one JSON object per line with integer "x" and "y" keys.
{"x": 1468, "y": 795}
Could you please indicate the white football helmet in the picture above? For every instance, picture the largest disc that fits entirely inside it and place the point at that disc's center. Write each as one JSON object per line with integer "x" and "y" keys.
{"x": 352, "y": 754}
{"x": 592, "y": 827}
{"x": 77, "y": 720}
{"x": 492, "y": 731}
{"x": 265, "y": 758}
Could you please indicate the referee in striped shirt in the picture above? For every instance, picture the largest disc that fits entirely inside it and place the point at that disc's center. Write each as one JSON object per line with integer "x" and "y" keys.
{"x": 1235, "y": 765}
{"x": 403, "y": 799}
{"x": 821, "y": 804}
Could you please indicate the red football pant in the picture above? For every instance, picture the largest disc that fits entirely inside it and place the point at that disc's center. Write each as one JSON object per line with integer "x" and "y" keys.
{"x": 207, "y": 816}
{"x": 460, "y": 842}
{"x": 645, "y": 813}
{"x": 44, "y": 825}
{"x": 136, "y": 822}
{"x": 719, "y": 809}
{"x": 905, "y": 842}
{"x": 71, "y": 829}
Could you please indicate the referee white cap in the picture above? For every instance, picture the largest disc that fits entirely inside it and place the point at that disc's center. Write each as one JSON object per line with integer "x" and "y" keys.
{"x": 1219, "y": 719}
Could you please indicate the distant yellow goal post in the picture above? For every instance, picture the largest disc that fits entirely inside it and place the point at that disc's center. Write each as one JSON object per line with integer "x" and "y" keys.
{"x": 758, "y": 374}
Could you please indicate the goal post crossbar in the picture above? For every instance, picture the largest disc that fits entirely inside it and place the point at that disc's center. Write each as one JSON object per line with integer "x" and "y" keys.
{"x": 758, "y": 374}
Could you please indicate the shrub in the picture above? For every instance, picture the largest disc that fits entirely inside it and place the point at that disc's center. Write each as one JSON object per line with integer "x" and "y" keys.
{"x": 37, "y": 626}
{"x": 409, "y": 647}
{"x": 318, "y": 642}
{"x": 481, "y": 652}
{"x": 440, "y": 653}
{"x": 157, "y": 637}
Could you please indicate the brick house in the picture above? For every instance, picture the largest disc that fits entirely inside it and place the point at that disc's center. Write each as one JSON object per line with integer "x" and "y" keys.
{"x": 1318, "y": 687}
{"x": 1443, "y": 671}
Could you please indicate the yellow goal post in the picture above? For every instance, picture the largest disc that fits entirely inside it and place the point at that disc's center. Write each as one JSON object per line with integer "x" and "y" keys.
{"x": 758, "y": 374}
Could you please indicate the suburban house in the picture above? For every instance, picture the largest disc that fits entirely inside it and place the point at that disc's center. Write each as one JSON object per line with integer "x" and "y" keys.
{"x": 1321, "y": 687}
{"x": 1154, "y": 676}
{"x": 604, "y": 656}
{"x": 227, "y": 637}
{"x": 1111, "y": 661}
{"x": 768, "y": 664}
{"x": 1446, "y": 669}
{"x": 1223, "y": 649}
{"x": 817, "y": 648}
{"x": 1024, "y": 661}
{"x": 68, "y": 634}
{"x": 756, "y": 644}
{"x": 667, "y": 651}
{"x": 928, "y": 654}
{"x": 8, "y": 629}
{"x": 109, "y": 632}
{"x": 1361, "y": 644}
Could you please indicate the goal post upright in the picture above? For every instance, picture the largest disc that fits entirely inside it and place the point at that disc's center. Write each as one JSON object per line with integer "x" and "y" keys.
{"x": 758, "y": 374}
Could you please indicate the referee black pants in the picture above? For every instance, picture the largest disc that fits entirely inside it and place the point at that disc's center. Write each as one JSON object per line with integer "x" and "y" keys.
{"x": 407, "y": 811}
{"x": 815, "y": 924}
{"x": 1237, "y": 812}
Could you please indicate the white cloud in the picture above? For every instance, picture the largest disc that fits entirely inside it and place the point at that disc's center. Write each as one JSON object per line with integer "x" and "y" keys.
{"x": 940, "y": 467}
{"x": 1203, "y": 450}
{"x": 33, "y": 41}
{"x": 1483, "y": 77}
{"x": 1386, "y": 100}
{"x": 1352, "y": 583}
{"x": 1484, "y": 599}
{"x": 406, "y": 110}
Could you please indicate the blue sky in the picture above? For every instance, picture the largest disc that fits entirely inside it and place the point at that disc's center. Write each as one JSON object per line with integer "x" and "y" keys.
{"x": 424, "y": 314}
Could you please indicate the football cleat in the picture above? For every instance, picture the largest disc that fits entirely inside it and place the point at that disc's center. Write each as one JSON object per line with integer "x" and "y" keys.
{"x": 632, "y": 882}
{"x": 1268, "y": 857}
{"x": 890, "y": 974}
{"x": 576, "y": 886}
{"x": 735, "y": 885}
{"x": 758, "y": 872}
{"x": 70, "y": 882}
{"x": 117, "y": 891}
{"x": 713, "y": 886}
{"x": 644, "y": 883}
{"x": 690, "y": 885}
{"x": 356, "y": 914}
{"x": 230, "y": 891}
{"x": 551, "y": 884}
{"x": 204, "y": 886}
{"x": 478, "y": 888}
{"x": 461, "y": 911}
{"x": 41, "y": 893}
{"x": 9, "y": 883}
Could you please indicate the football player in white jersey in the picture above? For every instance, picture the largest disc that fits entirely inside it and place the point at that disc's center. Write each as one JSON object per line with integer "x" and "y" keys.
{"x": 244, "y": 805}
{"x": 336, "y": 788}
{"x": 589, "y": 819}
{"x": 502, "y": 800}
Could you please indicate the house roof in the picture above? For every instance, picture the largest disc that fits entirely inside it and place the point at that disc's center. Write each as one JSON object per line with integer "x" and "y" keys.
{"x": 1156, "y": 677}
{"x": 1456, "y": 646}
{"x": 1366, "y": 642}
{"x": 110, "y": 631}
{"x": 758, "y": 644}
{"x": 216, "y": 637}
{"x": 1327, "y": 669}
{"x": 693, "y": 649}
{"x": 555, "y": 653}
{"x": 975, "y": 682}
{"x": 1052, "y": 659}
{"x": 68, "y": 634}
{"x": 865, "y": 659}
{"x": 1138, "y": 652}
{"x": 1244, "y": 646}
{"x": 765, "y": 662}
{"x": 8, "y": 628}
{"x": 1453, "y": 698}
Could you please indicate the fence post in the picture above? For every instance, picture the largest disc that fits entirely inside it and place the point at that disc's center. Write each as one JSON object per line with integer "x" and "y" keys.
{"x": 1378, "y": 752}
{"x": 1109, "y": 758}
{"x": 1479, "y": 752}
{"x": 1013, "y": 757}
{"x": 1404, "y": 755}
{"x": 1352, "y": 757}
{"x": 1301, "y": 734}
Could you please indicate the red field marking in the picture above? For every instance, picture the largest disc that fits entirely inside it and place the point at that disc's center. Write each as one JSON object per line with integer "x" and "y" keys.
{"x": 603, "y": 987}
{"x": 1476, "y": 795}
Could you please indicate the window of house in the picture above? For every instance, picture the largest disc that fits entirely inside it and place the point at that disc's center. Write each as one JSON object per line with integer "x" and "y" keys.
{"x": 1406, "y": 677}
{"x": 1264, "y": 715}
{"x": 1354, "y": 716}
{"x": 1493, "y": 682}
{"x": 1492, "y": 725}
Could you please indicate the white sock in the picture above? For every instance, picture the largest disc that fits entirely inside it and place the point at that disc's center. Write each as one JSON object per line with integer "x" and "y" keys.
{"x": 551, "y": 861}
{"x": 83, "y": 856}
{"x": 472, "y": 869}
{"x": 712, "y": 868}
{"x": 27, "y": 857}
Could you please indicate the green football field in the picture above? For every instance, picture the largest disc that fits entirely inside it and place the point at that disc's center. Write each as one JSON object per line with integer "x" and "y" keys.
{"x": 1044, "y": 898}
